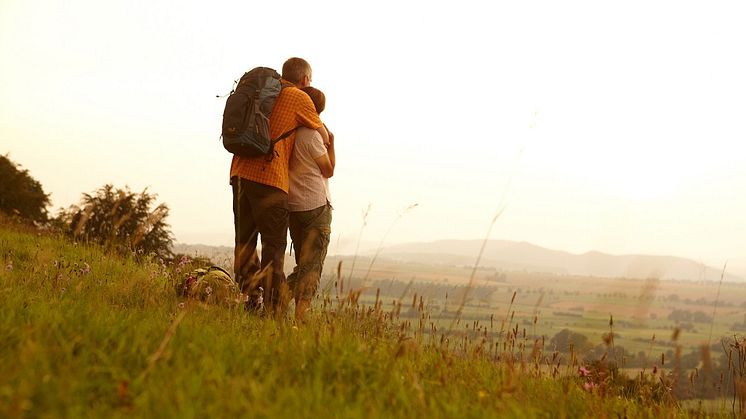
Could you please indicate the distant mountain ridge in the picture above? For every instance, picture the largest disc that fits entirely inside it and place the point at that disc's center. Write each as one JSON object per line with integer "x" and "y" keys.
{"x": 511, "y": 255}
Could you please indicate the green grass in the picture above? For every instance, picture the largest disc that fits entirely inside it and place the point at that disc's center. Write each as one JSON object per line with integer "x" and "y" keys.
{"x": 87, "y": 334}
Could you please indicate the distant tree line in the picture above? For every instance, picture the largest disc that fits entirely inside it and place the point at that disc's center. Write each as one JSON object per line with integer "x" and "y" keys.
{"x": 682, "y": 316}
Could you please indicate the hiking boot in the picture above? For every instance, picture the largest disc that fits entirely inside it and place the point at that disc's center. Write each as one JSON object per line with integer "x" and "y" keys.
{"x": 302, "y": 308}
{"x": 255, "y": 302}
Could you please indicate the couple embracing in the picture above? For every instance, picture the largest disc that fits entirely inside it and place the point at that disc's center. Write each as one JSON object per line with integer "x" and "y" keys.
{"x": 291, "y": 191}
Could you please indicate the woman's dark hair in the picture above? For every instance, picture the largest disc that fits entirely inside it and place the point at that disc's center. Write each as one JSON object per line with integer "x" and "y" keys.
{"x": 317, "y": 96}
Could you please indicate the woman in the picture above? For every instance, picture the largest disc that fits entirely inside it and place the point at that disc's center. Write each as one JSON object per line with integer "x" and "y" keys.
{"x": 311, "y": 165}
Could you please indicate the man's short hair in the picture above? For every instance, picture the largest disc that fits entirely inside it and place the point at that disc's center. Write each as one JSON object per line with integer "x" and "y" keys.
{"x": 317, "y": 97}
{"x": 295, "y": 69}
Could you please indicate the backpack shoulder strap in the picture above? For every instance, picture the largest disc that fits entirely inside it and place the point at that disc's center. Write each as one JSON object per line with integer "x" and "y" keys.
{"x": 217, "y": 268}
{"x": 284, "y": 135}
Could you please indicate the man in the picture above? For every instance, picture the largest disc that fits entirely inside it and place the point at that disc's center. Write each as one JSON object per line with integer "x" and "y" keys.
{"x": 311, "y": 166}
{"x": 260, "y": 199}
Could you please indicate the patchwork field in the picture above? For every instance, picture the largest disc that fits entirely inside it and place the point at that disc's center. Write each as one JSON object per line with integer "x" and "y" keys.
{"x": 645, "y": 312}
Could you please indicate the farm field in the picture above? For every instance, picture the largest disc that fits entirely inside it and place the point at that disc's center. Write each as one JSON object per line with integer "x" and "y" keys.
{"x": 645, "y": 313}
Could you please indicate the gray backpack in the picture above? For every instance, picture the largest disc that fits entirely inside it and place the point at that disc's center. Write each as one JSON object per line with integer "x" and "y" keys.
{"x": 247, "y": 112}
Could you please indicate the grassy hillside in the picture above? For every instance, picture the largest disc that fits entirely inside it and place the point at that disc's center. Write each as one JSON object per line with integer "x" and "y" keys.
{"x": 88, "y": 334}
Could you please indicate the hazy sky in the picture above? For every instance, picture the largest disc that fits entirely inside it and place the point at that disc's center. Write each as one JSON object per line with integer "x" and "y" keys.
{"x": 610, "y": 126}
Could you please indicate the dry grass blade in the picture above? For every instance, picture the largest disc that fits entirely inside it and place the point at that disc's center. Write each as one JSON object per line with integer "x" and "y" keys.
{"x": 501, "y": 207}
{"x": 715, "y": 305}
{"x": 383, "y": 239}
{"x": 470, "y": 285}
{"x": 158, "y": 354}
{"x": 359, "y": 238}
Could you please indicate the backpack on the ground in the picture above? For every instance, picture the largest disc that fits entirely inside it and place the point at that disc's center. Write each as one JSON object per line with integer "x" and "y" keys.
{"x": 211, "y": 285}
{"x": 247, "y": 111}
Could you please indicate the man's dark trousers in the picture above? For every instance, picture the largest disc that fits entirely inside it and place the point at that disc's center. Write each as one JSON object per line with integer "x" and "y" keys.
{"x": 260, "y": 209}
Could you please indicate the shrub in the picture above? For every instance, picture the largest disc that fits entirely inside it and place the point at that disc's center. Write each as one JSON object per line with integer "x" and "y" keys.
{"x": 21, "y": 194}
{"x": 121, "y": 220}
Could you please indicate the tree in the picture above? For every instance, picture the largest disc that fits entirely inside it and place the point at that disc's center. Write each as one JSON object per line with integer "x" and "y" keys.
{"x": 677, "y": 315}
{"x": 21, "y": 194}
{"x": 566, "y": 337}
{"x": 120, "y": 219}
{"x": 701, "y": 317}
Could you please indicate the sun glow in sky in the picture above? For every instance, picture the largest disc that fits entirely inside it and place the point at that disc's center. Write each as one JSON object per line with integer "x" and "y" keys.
{"x": 604, "y": 126}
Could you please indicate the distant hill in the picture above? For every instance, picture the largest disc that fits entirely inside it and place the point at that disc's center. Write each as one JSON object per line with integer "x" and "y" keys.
{"x": 513, "y": 256}
{"x": 510, "y": 255}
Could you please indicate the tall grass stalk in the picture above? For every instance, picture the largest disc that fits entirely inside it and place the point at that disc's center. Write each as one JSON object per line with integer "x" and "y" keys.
{"x": 500, "y": 208}
{"x": 359, "y": 238}
{"x": 383, "y": 239}
{"x": 470, "y": 284}
{"x": 715, "y": 304}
